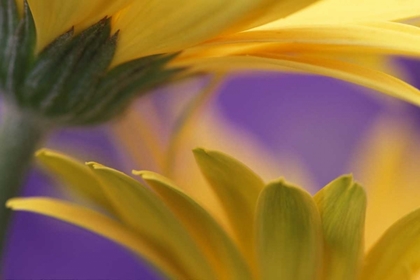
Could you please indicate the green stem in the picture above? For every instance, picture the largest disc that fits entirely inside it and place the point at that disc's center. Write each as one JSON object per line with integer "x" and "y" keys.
{"x": 19, "y": 137}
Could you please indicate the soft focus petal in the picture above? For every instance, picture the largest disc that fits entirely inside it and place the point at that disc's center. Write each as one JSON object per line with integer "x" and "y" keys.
{"x": 289, "y": 234}
{"x": 338, "y": 11}
{"x": 387, "y": 163}
{"x": 142, "y": 211}
{"x": 154, "y": 27}
{"x": 342, "y": 206}
{"x": 212, "y": 239}
{"x": 396, "y": 256}
{"x": 77, "y": 176}
{"x": 54, "y": 17}
{"x": 237, "y": 187}
{"x": 95, "y": 222}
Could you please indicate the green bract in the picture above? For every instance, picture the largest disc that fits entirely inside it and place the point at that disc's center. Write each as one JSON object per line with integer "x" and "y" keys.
{"x": 69, "y": 82}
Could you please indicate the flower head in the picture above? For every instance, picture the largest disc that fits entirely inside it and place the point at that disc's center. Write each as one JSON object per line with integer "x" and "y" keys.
{"x": 80, "y": 62}
{"x": 330, "y": 37}
{"x": 275, "y": 231}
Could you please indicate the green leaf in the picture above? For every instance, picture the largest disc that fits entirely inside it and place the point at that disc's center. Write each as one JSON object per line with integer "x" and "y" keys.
{"x": 289, "y": 234}
{"x": 342, "y": 206}
{"x": 237, "y": 187}
{"x": 396, "y": 256}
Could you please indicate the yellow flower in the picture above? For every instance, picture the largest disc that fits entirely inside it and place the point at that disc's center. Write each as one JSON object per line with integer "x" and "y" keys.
{"x": 329, "y": 37}
{"x": 277, "y": 231}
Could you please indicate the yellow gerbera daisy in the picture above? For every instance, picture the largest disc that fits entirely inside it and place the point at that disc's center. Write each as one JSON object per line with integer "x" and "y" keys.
{"x": 277, "y": 231}
{"x": 328, "y": 37}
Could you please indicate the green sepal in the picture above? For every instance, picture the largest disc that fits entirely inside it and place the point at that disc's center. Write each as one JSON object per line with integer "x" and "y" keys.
{"x": 69, "y": 82}
{"x": 57, "y": 75}
{"x": 114, "y": 93}
{"x": 9, "y": 19}
{"x": 21, "y": 54}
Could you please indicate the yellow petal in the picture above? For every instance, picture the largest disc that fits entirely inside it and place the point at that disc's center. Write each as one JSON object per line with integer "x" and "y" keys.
{"x": 97, "y": 223}
{"x": 78, "y": 177}
{"x": 375, "y": 37}
{"x": 338, "y": 11}
{"x": 237, "y": 187}
{"x": 158, "y": 26}
{"x": 396, "y": 255}
{"x": 213, "y": 241}
{"x": 54, "y": 17}
{"x": 318, "y": 65}
{"x": 387, "y": 163}
{"x": 142, "y": 211}
{"x": 342, "y": 206}
{"x": 141, "y": 125}
{"x": 189, "y": 116}
{"x": 289, "y": 234}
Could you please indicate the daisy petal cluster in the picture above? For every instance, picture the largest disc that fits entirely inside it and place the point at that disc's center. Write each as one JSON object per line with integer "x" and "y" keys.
{"x": 275, "y": 230}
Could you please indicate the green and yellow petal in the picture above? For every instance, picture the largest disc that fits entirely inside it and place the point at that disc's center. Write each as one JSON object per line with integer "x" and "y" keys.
{"x": 342, "y": 206}
{"x": 289, "y": 234}
{"x": 237, "y": 187}
{"x": 213, "y": 241}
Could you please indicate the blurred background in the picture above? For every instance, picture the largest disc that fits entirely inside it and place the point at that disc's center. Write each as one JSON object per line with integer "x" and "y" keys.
{"x": 306, "y": 129}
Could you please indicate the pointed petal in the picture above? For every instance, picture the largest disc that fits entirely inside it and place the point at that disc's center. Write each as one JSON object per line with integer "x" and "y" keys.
{"x": 77, "y": 176}
{"x": 184, "y": 23}
{"x": 338, "y": 11}
{"x": 54, "y": 17}
{"x": 97, "y": 223}
{"x": 397, "y": 253}
{"x": 212, "y": 239}
{"x": 237, "y": 188}
{"x": 289, "y": 234}
{"x": 142, "y": 211}
{"x": 342, "y": 206}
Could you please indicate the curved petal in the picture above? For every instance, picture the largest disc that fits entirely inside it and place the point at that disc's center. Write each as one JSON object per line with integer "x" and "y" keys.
{"x": 97, "y": 223}
{"x": 237, "y": 187}
{"x": 376, "y": 37}
{"x": 317, "y": 65}
{"x": 212, "y": 239}
{"x": 54, "y": 17}
{"x": 289, "y": 234}
{"x": 342, "y": 206}
{"x": 142, "y": 211}
{"x": 158, "y": 26}
{"x": 397, "y": 253}
{"x": 76, "y": 175}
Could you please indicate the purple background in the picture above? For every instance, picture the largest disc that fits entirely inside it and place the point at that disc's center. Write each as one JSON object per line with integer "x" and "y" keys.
{"x": 320, "y": 119}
